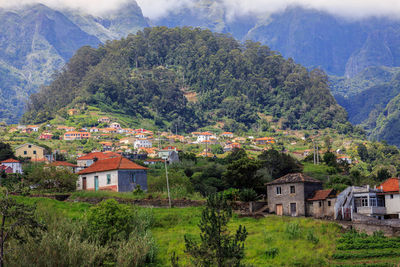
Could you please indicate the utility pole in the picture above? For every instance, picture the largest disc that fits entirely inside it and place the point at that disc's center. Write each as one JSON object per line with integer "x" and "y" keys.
{"x": 314, "y": 152}
{"x": 317, "y": 155}
{"x": 166, "y": 176}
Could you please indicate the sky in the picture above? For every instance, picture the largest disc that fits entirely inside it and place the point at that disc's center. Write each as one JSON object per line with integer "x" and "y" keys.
{"x": 158, "y": 8}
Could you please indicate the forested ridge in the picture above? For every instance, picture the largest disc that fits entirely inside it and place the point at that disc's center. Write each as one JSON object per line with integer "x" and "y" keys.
{"x": 147, "y": 75}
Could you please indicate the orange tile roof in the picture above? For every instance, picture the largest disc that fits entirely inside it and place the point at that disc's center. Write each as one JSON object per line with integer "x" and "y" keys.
{"x": 390, "y": 185}
{"x": 323, "y": 194}
{"x": 226, "y": 133}
{"x": 63, "y": 163}
{"x": 10, "y": 161}
{"x": 99, "y": 155}
{"x": 111, "y": 164}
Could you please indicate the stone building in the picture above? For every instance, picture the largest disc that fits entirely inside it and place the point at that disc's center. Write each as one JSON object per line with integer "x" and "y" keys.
{"x": 322, "y": 204}
{"x": 287, "y": 195}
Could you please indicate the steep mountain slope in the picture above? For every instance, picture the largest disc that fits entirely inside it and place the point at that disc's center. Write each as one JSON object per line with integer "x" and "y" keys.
{"x": 36, "y": 40}
{"x": 149, "y": 75}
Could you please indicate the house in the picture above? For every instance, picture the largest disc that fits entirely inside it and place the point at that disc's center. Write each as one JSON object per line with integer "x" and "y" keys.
{"x": 287, "y": 195}
{"x": 153, "y": 161}
{"x": 205, "y": 136}
{"x": 109, "y": 130}
{"x": 94, "y": 130}
{"x": 34, "y": 152}
{"x": 368, "y": 201}
{"x": 66, "y": 128}
{"x": 107, "y": 146}
{"x": 115, "y": 125}
{"x": 89, "y": 159}
{"x": 322, "y": 204}
{"x": 104, "y": 120}
{"x": 231, "y": 146}
{"x": 343, "y": 158}
{"x": 171, "y": 155}
{"x": 117, "y": 174}
{"x": 70, "y": 136}
{"x": 390, "y": 190}
{"x": 264, "y": 140}
{"x": 14, "y": 164}
{"x": 64, "y": 165}
{"x": 227, "y": 135}
{"x": 142, "y": 142}
{"x": 127, "y": 140}
{"x": 46, "y": 136}
{"x": 72, "y": 112}
{"x": 35, "y": 128}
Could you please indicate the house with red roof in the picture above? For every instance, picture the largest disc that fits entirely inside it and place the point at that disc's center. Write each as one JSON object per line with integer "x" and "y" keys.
{"x": 390, "y": 190}
{"x": 46, "y": 136}
{"x": 264, "y": 140}
{"x": 88, "y": 159}
{"x": 227, "y": 135}
{"x": 117, "y": 174}
{"x": 76, "y": 136}
{"x": 15, "y": 165}
{"x": 322, "y": 204}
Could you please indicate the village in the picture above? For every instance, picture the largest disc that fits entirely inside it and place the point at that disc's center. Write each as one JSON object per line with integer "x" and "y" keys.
{"x": 110, "y": 164}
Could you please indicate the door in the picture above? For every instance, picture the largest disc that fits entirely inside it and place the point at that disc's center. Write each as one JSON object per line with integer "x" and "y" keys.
{"x": 293, "y": 210}
{"x": 96, "y": 183}
{"x": 279, "y": 209}
{"x": 84, "y": 183}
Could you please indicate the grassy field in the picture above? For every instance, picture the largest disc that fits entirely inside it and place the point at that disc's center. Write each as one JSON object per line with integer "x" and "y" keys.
{"x": 294, "y": 241}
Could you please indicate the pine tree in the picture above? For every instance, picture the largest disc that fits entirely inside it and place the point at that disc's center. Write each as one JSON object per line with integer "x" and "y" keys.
{"x": 217, "y": 246}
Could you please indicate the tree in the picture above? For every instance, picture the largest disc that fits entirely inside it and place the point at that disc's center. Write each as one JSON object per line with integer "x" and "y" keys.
{"x": 17, "y": 222}
{"x": 6, "y": 151}
{"x": 363, "y": 152}
{"x": 236, "y": 154}
{"x": 217, "y": 246}
{"x": 242, "y": 173}
{"x": 383, "y": 174}
{"x": 330, "y": 159}
{"x": 328, "y": 143}
{"x": 279, "y": 164}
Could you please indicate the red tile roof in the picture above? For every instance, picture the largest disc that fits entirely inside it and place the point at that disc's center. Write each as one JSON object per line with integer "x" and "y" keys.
{"x": 390, "y": 185}
{"x": 99, "y": 155}
{"x": 323, "y": 194}
{"x": 10, "y": 161}
{"x": 119, "y": 163}
{"x": 63, "y": 163}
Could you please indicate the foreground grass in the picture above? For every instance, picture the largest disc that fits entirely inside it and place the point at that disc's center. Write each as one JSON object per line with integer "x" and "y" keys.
{"x": 170, "y": 226}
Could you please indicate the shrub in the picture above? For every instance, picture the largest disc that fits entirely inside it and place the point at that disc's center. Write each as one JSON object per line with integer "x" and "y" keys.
{"x": 248, "y": 195}
{"x": 293, "y": 230}
{"x": 231, "y": 194}
{"x": 272, "y": 252}
{"x": 312, "y": 237}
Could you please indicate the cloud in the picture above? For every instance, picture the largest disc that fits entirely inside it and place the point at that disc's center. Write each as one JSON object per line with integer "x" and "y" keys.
{"x": 95, "y": 7}
{"x": 159, "y": 8}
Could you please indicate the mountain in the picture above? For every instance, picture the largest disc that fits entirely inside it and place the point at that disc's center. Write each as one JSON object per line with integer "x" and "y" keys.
{"x": 190, "y": 78}
{"x": 36, "y": 40}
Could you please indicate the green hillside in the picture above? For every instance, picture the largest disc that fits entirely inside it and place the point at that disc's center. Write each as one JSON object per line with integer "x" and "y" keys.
{"x": 190, "y": 78}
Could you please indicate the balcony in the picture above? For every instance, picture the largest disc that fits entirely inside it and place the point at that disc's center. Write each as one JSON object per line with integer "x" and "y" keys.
{"x": 371, "y": 210}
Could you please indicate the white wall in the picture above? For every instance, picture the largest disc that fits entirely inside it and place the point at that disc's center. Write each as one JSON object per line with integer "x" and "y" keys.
{"x": 392, "y": 204}
{"x": 102, "y": 180}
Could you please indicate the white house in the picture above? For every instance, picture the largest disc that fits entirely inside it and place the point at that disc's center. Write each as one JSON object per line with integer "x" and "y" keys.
{"x": 114, "y": 174}
{"x": 14, "y": 164}
{"x": 115, "y": 125}
{"x": 89, "y": 159}
{"x": 142, "y": 142}
{"x": 206, "y": 136}
{"x": 390, "y": 189}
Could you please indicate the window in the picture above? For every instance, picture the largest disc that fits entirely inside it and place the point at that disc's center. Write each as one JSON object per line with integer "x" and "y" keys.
{"x": 391, "y": 196}
{"x": 320, "y": 203}
{"x": 279, "y": 190}
{"x": 292, "y": 189}
{"x": 108, "y": 178}
{"x": 29, "y": 146}
{"x": 34, "y": 152}
{"x": 25, "y": 153}
{"x": 329, "y": 203}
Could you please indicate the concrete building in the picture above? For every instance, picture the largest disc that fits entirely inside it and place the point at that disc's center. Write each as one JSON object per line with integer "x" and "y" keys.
{"x": 142, "y": 142}
{"x": 114, "y": 174}
{"x": 287, "y": 195}
{"x": 88, "y": 159}
{"x": 34, "y": 152}
{"x": 390, "y": 191}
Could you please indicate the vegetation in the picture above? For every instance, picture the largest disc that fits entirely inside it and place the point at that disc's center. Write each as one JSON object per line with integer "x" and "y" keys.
{"x": 147, "y": 76}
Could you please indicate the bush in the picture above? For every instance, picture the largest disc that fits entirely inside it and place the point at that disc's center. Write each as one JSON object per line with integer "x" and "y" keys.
{"x": 231, "y": 194}
{"x": 312, "y": 237}
{"x": 247, "y": 195}
{"x": 293, "y": 230}
{"x": 272, "y": 252}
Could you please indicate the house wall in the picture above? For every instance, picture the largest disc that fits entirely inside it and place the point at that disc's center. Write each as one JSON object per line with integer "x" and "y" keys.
{"x": 84, "y": 163}
{"x": 392, "y": 204}
{"x": 323, "y": 211}
{"x": 129, "y": 179}
{"x": 286, "y": 198}
{"x": 19, "y": 152}
{"x": 113, "y": 186}
{"x": 17, "y": 167}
